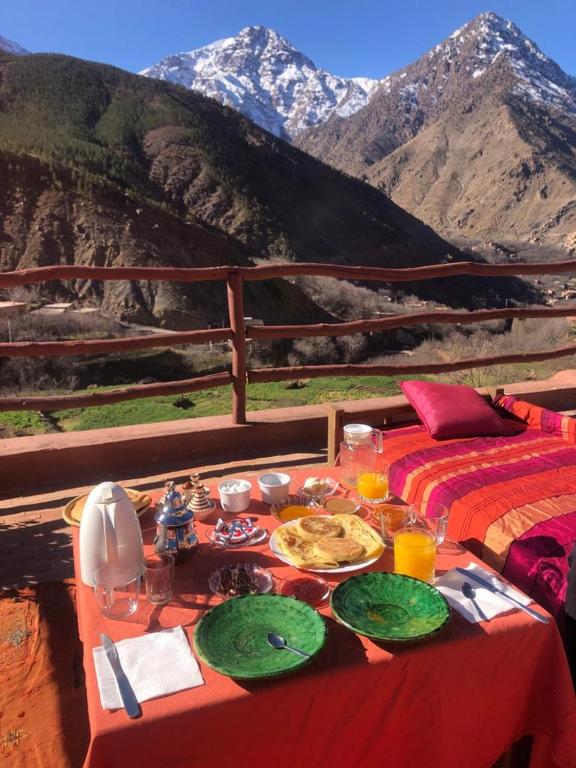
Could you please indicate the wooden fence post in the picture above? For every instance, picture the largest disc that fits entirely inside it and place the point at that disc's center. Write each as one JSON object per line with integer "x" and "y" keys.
{"x": 235, "y": 288}
{"x": 335, "y": 432}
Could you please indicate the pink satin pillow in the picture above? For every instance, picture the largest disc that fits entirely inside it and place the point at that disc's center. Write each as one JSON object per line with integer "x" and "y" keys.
{"x": 453, "y": 410}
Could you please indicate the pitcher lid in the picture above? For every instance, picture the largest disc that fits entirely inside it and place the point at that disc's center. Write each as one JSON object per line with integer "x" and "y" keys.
{"x": 358, "y": 433}
{"x": 107, "y": 493}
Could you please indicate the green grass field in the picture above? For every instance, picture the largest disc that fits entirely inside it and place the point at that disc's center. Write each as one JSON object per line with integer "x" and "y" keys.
{"x": 212, "y": 402}
{"x": 217, "y": 402}
{"x": 22, "y": 421}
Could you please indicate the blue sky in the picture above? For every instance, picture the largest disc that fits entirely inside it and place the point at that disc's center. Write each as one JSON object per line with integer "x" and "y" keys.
{"x": 358, "y": 37}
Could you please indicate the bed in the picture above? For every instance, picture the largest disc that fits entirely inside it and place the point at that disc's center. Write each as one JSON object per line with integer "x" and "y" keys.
{"x": 512, "y": 498}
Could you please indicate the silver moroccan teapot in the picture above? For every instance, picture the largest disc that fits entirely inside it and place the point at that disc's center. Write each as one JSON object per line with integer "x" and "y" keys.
{"x": 175, "y": 532}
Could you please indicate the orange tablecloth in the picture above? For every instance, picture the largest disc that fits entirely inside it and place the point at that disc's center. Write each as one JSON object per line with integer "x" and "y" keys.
{"x": 460, "y": 699}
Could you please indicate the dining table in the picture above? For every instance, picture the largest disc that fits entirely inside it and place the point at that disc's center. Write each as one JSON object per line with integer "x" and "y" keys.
{"x": 460, "y": 698}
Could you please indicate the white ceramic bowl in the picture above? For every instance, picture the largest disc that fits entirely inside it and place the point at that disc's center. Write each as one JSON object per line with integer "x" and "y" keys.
{"x": 274, "y": 486}
{"x": 235, "y": 494}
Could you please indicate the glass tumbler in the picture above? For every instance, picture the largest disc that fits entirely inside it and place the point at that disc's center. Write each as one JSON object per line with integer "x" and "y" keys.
{"x": 117, "y": 589}
{"x": 391, "y": 516}
{"x": 159, "y": 578}
{"x": 433, "y": 516}
{"x": 372, "y": 484}
{"x": 415, "y": 553}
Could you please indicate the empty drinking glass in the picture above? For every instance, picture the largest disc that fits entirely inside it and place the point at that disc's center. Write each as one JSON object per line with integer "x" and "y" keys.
{"x": 159, "y": 578}
{"x": 117, "y": 589}
{"x": 433, "y": 516}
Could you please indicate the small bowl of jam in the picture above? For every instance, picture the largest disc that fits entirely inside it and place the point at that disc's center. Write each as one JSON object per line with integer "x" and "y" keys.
{"x": 293, "y": 506}
{"x": 310, "y": 589}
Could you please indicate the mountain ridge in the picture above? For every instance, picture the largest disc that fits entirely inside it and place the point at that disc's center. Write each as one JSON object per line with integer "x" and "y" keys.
{"x": 399, "y": 135}
{"x": 515, "y": 173}
{"x": 462, "y": 62}
{"x": 104, "y": 167}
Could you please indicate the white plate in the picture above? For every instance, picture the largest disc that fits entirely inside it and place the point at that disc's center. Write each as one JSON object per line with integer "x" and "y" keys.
{"x": 356, "y": 566}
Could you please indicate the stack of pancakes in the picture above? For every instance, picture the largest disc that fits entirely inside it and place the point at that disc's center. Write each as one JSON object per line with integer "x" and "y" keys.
{"x": 328, "y": 541}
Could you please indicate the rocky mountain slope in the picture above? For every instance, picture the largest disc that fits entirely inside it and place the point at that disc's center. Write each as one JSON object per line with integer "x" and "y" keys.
{"x": 262, "y": 75}
{"x": 51, "y": 215}
{"x": 477, "y": 137}
{"x": 103, "y": 167}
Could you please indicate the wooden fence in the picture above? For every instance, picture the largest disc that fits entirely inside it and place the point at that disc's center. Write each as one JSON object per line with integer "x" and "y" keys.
{"x": 238, "y": 334}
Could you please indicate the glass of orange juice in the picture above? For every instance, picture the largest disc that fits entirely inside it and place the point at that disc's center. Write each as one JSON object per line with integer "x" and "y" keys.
{"x": 415, "y": 553}
{"x": 372, "y": 485}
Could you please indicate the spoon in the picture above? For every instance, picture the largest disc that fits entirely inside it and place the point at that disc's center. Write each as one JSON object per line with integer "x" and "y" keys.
{"x": 276, "y": 641}
{"x": 469, "y": 592}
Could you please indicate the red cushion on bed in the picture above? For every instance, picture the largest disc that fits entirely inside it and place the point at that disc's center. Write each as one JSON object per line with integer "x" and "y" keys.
{"x": 537, "y": 417}
{"x": 453, "y": 410}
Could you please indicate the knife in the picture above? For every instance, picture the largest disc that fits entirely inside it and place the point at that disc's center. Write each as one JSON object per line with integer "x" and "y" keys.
{"x": 126, "y": 693}
{"x": 487, "y": 585}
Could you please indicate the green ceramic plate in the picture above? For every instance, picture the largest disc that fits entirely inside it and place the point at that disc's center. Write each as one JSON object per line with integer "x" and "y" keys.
{"x": 388, "y": 606}
{"x": 232, "y": 637}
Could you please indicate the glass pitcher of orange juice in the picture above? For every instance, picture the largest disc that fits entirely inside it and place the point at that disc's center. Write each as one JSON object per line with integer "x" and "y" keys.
{"x": 360, "y": 448}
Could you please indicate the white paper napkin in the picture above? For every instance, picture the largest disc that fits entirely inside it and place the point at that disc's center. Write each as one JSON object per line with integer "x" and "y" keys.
{"x": 155, "y": 664}
{"x": 450, "y": 584}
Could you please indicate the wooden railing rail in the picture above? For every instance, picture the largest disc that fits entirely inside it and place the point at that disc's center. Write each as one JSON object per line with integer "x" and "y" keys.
{"x": 85, "y": 400}
{"x": 238, "y": 333}
{"x": 390, "y": 322}
{"x": 198, "y": 274}
{"x": 108, "y": 346}
{"x": 154, "y": 274}
{"x": 260, "y": 375}
{"x": 408, "y": 274}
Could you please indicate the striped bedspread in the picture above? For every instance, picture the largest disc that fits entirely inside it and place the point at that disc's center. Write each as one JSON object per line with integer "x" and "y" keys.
{"x": 512, "y": 499}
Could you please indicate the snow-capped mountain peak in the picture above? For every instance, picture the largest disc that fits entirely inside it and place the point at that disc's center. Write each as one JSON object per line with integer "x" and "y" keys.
{"x": 489, "y": 37}
{"x": 261, "y": 38}
{"x": 10, "y": 47}
{"x": 262, "y": 75}
{"x": 487, "y": 45}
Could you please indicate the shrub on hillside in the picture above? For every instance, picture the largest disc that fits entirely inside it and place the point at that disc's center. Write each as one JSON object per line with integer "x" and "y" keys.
{"x": 525, "y": 336}
{"x": 32, "y": 327}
